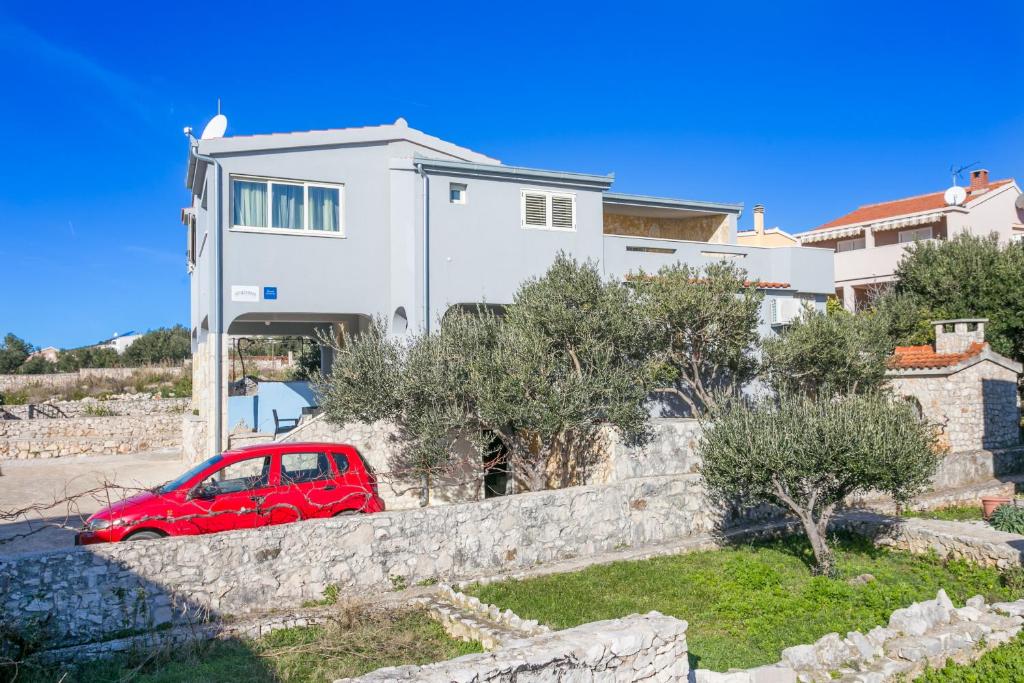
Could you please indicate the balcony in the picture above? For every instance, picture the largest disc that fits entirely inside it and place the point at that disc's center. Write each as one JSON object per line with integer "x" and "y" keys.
{"x": 805, "y": 269}
{"x": 874, "y": 264}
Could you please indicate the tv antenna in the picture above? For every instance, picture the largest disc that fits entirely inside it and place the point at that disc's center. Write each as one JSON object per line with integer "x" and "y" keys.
{"x": 955, "y": 172}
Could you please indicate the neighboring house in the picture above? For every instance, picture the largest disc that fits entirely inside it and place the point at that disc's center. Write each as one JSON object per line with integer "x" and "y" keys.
{"x": 49, "y": 354}
{"x": 761, "y": 237}
{"x": 962, "y": 385}
{"x": 294, "y": 233}
{"x": 119, "y": 342}
{"x": 870, "y": 241}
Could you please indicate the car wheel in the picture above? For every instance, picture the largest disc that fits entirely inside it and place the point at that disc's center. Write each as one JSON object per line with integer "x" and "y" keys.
{"x": 144, "y": 536}
{"x": 346, "y": 513}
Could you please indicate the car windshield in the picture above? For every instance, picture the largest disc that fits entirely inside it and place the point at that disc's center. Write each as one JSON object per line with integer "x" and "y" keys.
{"x": 175, "y": 484}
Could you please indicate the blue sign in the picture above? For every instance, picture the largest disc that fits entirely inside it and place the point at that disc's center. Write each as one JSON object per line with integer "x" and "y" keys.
{"x": 269, "y": 293}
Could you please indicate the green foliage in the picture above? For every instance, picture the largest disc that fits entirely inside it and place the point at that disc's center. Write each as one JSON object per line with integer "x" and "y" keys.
{"x": 969, "y": 277}
{"x": 826, "y": 355}
{"x": 13, "y": 352}
{"x": 36, "y": 365}
{"x": 953, "y": 513}
{"x": 746, "y": 604}
{"x": 98, "y": 410}
{"x": 568, "y": 358}
{"x": 1013, "y": 578}
{"x": 307, "y": 362}
{"x": 705, "y": 330}
{"x": 353, "y": 644}
{"x": 1008, "y": 518}
{"x": 905, "y": 319}
{"x": 808, "y": 454}
{"x": 162, "y": 345}
{"x": 87, "y": 357}
{"x": 1005, "y": 663}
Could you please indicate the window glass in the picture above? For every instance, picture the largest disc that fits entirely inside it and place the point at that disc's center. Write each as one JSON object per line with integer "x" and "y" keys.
{"x": 249, "y": 203}
{"x": 341, "y": 462}
{"x": 297, "y": 468}
{"x": 252, "y": 473}
{"x": 174, "y": 484}
{"x": 915, "y": 235}
{"x": 288, "y": 206}
{"x": 850, "y": 245}
{"x": 324, "y": 208}
{"x": 457, "y": 193}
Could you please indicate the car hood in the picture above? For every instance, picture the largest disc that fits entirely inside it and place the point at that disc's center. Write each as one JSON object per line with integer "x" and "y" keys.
{"x": 127, "y": 506}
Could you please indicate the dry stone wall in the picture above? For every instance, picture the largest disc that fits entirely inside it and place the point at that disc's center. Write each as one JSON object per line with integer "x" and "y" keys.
{"x": 127, "y": 406}
{"x": 62, "y": 380}
{"x": 44, "y": 438}
{"x": 84, "y": 594}
{"x": 651, "y": 647}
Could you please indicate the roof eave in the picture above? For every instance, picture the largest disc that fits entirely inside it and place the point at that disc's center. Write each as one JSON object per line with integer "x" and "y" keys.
{"x": 639, "y": 200}
{"x": 472, "y": 170}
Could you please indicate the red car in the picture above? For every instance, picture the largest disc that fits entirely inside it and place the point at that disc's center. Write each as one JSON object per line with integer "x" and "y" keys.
{"x": 241, "y": 489}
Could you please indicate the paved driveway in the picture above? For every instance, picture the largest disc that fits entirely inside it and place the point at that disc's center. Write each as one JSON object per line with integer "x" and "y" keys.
{"x": 64, "y": 491}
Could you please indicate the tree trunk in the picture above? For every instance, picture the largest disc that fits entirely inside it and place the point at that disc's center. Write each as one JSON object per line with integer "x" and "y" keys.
{"x": 824, "y": 563}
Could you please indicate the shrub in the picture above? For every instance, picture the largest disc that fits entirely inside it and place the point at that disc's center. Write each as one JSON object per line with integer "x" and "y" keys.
{"x": 808, "y": 454}
{"x": 1008, "y": 518}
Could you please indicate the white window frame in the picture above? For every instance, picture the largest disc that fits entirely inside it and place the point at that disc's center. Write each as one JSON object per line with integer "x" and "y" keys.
{"x": 913, "y": 232}
{"x": 853, "y": 241}
{"x": 548, "y": 195}
{"x": 463, "y": 192}
{"x": 305, "y": 229}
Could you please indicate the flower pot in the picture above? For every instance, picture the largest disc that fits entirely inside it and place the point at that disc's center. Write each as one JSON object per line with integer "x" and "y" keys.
{"x": 990, "y": 503}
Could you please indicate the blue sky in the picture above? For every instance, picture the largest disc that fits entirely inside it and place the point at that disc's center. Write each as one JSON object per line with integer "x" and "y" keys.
{"x": 808, "y": 108}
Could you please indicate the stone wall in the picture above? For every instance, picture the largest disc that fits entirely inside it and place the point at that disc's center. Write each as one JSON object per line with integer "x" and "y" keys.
{"x": 62, "y": 380}
{"x": 23, "y": 439}
{"x": 127, "y": 405}
{"x": 672, "y": 450}
{"x": 976, "y": 407}
{"x": 89, "y": 592}
{"x": 651, "y": 647}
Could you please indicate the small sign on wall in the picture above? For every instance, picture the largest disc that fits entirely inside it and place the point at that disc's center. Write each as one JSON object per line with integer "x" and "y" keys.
{"x": 245, "y": 293}
{"x": 269, "y": 293}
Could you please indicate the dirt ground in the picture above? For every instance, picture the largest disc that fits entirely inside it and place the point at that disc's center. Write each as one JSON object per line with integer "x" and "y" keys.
{"x": 47, "y": 484}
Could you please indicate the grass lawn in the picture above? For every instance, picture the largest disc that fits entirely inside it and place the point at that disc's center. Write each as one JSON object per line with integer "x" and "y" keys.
{"x": 746, "y": 604}
{"x": 954, "y": 513}
{"x": 358, "y": 644}
{"x": 1005, "y": 663}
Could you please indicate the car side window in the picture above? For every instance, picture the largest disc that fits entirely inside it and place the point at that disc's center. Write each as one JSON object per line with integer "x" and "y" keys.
{"x": 341, "y": 462}
{"x": 298, "y": 468}
{"x": 251, "y": 473}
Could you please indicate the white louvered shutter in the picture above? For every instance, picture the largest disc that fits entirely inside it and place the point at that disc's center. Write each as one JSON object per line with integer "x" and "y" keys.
{"x": 535, "y": 209}
{"x": 562, "y": 210}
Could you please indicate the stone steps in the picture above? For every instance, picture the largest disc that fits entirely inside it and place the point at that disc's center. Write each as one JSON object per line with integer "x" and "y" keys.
{"x": 466, "y": 618}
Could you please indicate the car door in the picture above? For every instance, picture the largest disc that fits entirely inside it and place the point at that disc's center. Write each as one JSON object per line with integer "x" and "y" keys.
{"x": 306, "y": 487}
{"x": 354, "y": 482}
{"x": 231, "y": 497}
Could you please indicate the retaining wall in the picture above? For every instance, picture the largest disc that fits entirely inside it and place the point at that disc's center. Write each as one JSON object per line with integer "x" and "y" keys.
{"x": 61, "y": 380}
{"x": 24, "y": 439}
{"x": 133, "y": 406}
{"x": 651, "y": 647}
{"x": 87, "y": 593}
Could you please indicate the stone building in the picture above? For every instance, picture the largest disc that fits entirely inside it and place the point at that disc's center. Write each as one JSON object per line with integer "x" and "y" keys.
{"x": 962, "y": 385}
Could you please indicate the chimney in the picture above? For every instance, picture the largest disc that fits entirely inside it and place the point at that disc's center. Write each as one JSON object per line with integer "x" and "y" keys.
{"x": 759, "y": 219}
{"x": 979, "y": 179}
{"x": 956, "y": 336}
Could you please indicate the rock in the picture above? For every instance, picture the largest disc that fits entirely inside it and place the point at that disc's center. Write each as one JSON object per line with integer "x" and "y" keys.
{"x": 943, "y": 600}
{"x": 1013, "y": 609}
{"x": 967, "y": 613}
{"x": 772, "y": 673}
{"x": 862, "y": 645}
{"x": 909, "y": 622}
{"x": 861, "y": 580}
{"x": 977, "y": 602}
{"x": 831, "y": 651}
{"x": 800, "y": 657}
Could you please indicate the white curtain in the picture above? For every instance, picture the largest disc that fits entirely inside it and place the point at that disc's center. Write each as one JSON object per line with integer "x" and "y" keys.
{"x": 324, "y": 203}
{"x": 249, "y": 204}
{"x": 288, "y": 206}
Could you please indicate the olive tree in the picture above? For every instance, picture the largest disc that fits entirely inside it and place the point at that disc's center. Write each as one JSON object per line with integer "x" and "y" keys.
{"x": 566, "y": 361}
{"x": 828, "y": 354}
{"x": 807, "y": 454}
{"x": 704, "y": 322}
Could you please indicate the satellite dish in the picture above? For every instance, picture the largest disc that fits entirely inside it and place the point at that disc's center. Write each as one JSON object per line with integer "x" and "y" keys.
{"x": 955, "y": 196}
{"x": 1020, "y": 202}
{"x": 215, "y": 128}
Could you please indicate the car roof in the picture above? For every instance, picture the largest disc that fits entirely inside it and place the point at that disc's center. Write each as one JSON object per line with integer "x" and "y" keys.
{"x": 290, "y": 446}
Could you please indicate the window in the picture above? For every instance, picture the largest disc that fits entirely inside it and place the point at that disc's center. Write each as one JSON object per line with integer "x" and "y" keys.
{"x": 297, "y": 468}
{"x": 243, "y": 475}
{"x": 457, "y": 193}
{"x": 341, "y": 462}
{"x": 851, "y": 245}
{"x": 548, "y": 210}
{"x": 290, "y": 206}
{"x": 915, "y": 235}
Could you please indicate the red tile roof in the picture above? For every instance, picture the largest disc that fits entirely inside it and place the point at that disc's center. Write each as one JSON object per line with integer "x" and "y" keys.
{"x": 907, "y": 205}
{"x": 924, "y": 357}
